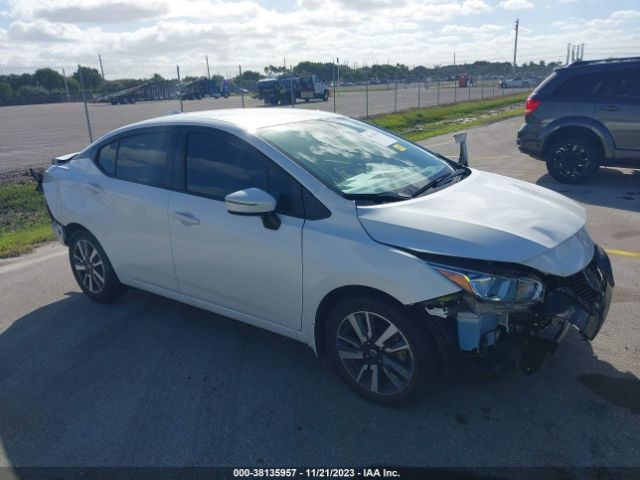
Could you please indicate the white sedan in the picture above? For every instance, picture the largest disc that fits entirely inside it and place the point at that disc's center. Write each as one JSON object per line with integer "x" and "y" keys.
{"x": 388, "y": 258}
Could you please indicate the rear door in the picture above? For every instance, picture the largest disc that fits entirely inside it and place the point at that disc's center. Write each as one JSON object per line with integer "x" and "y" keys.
{"x": 126, "y": 198}
{"x": 619, "y": 109}
{"x": 233, "y": 261}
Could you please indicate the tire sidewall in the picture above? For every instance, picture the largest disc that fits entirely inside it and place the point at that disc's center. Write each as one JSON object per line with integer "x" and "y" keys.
{"x": 112, "y": 287}
{"x": 588, "y": 145}
{"x": 422, "y": 348}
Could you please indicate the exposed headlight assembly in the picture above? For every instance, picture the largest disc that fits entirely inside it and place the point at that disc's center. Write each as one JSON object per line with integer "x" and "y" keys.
{"x": 495, "y": 288}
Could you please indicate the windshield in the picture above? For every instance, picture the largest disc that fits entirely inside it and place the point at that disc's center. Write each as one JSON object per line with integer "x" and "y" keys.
{"x": 354, "y": 158}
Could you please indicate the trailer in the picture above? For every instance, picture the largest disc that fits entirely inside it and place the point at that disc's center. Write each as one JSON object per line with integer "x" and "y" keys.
{"x": 204, "y": 87}
{"x": 146, "y": 91}
{"x": 288, "y": 88}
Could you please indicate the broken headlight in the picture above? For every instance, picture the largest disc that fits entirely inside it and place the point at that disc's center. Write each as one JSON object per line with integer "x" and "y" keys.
{"x": 494, "y": 288}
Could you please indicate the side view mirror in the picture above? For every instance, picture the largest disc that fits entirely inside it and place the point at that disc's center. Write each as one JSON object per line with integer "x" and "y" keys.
{"x": 253, "y": 201}
{"x": 461, "y": 138}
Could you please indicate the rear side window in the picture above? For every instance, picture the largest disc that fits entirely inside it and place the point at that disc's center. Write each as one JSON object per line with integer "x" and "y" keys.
{"x": 143, "y": 158}
{"x": 627, "y": 84}
{"x": 217, "y": 166}
{"x": 581, "y": 85}
{"x": 107, "y": 157}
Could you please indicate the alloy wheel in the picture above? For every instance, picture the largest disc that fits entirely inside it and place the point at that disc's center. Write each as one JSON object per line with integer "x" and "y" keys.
{"x": 375, "y": 353}
{"x": 89, "y": 266}
{"x": 572, "y": 160}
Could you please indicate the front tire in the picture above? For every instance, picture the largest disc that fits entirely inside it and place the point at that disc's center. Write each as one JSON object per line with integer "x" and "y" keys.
{"x": 573, "y": 159}
{"x": 380, "y": 351}
{"x": 92, "y": 269}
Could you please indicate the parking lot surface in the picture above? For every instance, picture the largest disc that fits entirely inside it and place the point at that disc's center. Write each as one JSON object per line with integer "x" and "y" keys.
{"x": 148, "y": 381}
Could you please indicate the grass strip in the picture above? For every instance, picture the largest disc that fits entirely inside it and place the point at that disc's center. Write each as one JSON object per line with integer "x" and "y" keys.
{"x": 24, "y": 222}
{"x": 420, "y": 124}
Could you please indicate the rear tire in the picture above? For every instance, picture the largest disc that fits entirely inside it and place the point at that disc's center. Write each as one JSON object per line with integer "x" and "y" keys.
{"x": 573, "y": 159}
{"x": 325, "y": 97}
{"x": 379, "y": 350}
{"x": 92, "y": 269}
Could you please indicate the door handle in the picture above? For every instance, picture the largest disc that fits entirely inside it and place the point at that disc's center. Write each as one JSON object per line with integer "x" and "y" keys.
{"x": 186, "y": 218}
{"x": 610, "y": 108}
{"x": 95, "y": 188}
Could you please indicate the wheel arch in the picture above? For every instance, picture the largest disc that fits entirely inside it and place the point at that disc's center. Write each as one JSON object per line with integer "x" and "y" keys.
{"x": 71, "y": 228}
{"x": 598, "y": 134}
{"x": 332, "y": 298}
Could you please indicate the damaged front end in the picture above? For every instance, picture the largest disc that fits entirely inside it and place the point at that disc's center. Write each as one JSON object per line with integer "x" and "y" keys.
{"x": 514, "y": 315}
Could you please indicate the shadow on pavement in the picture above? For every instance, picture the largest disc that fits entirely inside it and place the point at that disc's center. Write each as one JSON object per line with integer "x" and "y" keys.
{"x": 148, "y": 381}
{"x": 611, "y": 188}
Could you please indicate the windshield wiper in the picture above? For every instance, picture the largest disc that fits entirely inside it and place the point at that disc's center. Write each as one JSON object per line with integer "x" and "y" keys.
{"x": 376, "y": 197}
{"x": 441, "y": 179}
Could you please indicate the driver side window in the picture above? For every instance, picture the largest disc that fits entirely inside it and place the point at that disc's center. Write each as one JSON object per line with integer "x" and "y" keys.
{"x": 217, "y": 165}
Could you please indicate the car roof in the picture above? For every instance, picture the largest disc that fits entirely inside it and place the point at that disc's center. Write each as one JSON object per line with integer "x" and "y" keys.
{"x": 245, "y": 118}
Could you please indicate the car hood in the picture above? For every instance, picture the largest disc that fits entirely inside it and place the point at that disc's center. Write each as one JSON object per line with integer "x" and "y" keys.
{"x": 488, "y": 217}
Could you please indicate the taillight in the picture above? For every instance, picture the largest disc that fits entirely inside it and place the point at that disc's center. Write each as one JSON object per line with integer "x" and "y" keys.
{"x": 530, "y": 106}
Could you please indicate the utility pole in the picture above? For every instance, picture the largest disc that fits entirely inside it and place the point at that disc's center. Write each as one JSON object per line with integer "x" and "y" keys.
{"x": 515, "y": 48}
{"x": 573, "y": 53}
{"x": 208, "y": 72}
{"x": 582, "y": 52}
{"x": 568, "y": 52}
{"x": 101, "y": 69}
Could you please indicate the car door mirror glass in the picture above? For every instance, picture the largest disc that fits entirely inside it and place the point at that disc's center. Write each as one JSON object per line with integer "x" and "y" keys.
{"x": 251, "y": 201}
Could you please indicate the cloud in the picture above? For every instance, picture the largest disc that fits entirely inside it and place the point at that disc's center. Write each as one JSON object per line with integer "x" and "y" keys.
{"x": 516, "y": 4}
{"x": 103, "y": 12}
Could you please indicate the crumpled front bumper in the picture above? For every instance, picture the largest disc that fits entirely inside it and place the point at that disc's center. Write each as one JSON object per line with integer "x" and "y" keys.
{"x": 583, "y": 299}
{"x": 524, "y": 336}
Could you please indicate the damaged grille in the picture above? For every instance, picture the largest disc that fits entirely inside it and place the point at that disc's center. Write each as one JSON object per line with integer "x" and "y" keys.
{"x": 586, "y": 284}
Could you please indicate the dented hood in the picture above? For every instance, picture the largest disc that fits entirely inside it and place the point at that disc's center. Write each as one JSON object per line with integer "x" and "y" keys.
{"x": 488, "y": 217}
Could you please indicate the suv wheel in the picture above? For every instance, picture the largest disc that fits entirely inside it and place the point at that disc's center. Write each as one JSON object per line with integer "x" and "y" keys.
{"x": 92, "y": 269}
{"x": 573, "y": 159}
{"x": 379, "y": 350}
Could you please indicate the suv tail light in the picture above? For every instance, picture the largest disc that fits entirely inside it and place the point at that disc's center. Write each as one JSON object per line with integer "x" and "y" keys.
{"x": 530, "y": 106}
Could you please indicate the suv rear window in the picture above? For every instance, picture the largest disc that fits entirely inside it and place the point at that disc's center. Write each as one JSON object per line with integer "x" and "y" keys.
{"x": 584, "y": 84}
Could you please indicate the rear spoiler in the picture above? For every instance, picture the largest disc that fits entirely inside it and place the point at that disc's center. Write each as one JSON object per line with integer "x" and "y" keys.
{"x": 38, "y": 176}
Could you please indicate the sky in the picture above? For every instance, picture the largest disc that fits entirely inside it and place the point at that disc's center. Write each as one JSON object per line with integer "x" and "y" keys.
{"x": 143, "y": 36}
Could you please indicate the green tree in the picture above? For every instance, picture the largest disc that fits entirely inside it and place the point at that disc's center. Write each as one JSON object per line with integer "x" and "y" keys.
{"x": 91, "y": 76}
{"x": 6, "y": 92}
{"x": 48, "y": 78}
{"x": 29, "y": 94}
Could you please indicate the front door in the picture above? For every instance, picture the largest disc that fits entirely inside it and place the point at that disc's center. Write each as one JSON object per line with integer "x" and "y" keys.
{"x": 233, "y": 261}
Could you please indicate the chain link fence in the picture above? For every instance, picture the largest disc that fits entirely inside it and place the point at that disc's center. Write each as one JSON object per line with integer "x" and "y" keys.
{"x": 47, "y": 111}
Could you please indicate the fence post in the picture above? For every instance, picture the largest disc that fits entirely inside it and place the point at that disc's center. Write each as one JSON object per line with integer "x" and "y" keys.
{"x": 469, "y": 87}
{"x": 333, "y": 71}
{"x": 493, "y": 87}
{"x": 455, "y": 89}
{"x": 84, "y": 100}
{"x": 438, "y": 92}
{"x": 395, "y": 95}
{"x": 419, "y": 84}
{"x": 240, "y": 82}
{"x": 482, "y": 94}
{"x": 179, "y": 88}
{"x": 366, "y": 96}
{"x": 66, "y": 85}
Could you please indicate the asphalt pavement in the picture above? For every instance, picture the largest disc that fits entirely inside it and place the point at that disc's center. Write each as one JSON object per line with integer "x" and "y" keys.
{"x": 148, "y": 381}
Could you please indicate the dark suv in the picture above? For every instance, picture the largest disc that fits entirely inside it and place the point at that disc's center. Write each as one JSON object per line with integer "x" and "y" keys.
{"x": 583, "y": 116}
